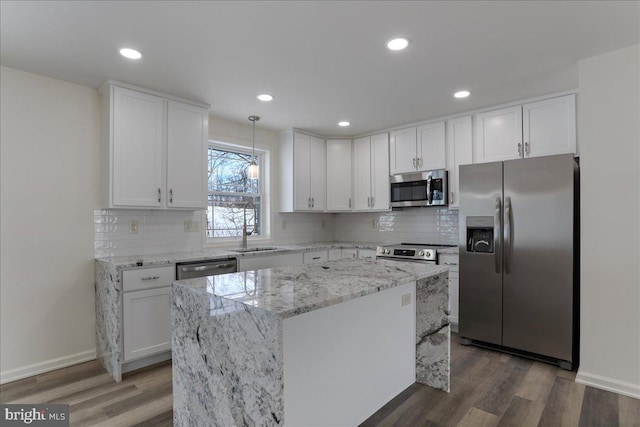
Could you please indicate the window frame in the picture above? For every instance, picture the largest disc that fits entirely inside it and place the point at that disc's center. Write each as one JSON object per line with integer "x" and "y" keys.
{"x": 263, "y": 154}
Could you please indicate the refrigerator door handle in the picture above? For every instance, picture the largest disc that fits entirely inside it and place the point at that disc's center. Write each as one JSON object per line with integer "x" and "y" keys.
{"x": 507, "y": 234}
{"x": 497, "y": 230}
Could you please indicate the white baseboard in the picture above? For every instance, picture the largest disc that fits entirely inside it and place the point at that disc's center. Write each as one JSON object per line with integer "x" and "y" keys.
{"x": 46, "y": 366}
{"x": 609, "y": 384}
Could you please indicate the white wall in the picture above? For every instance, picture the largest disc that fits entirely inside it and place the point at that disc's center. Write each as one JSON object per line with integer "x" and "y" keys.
{"x": 609, "y": 132}
{"x": 50, "y": 171}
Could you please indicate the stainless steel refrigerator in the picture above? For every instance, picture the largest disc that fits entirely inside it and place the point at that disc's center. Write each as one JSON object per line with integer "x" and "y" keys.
{"x": 519, "y": 257}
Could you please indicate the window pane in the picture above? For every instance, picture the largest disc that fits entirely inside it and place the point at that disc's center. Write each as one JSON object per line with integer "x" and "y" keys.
{"x": 226, "y": 213}
{"x": 228, "y": 172}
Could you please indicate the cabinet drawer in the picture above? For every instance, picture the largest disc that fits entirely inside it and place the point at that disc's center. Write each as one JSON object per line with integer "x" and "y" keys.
{"x": 449, "y": 260}
{"x": 146, "y": 278}
{"x": 314, "y": 257}
{"x": 366, "y": 254}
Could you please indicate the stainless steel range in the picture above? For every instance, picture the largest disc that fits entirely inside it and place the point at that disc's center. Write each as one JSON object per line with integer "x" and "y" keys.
{"x": 415, "y": 252}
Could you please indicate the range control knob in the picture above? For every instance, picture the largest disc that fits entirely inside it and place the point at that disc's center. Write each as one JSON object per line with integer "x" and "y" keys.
{"x": 387, "y": 251}
{"x": 428, "y": 254}
{"x": 420, "y": 253}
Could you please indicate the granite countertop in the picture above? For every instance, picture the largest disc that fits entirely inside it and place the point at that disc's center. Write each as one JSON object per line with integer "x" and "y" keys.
{"x": 289, "y": 291}
{"x": 223, "y": 253}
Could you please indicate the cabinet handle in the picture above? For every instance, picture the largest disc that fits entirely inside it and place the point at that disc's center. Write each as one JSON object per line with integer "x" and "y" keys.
{"x": 313, "y": 202}
{"x": 171, "y": 195}
{"x": 419, "y": 161}
{"x": 526, "y": 148}
{"x": 373, "y": 201}
{"x": 159, "y": 196}
{"x": 309, "y": 202}
{"x": 368, "y": 202}
{"x": 349, "y": 202}
{"x": 450, "y": 263}
{"x": 519, "y": 149}
{"x": 451, "y": 201}
{"x": 414, "y": 163}
{"x": 316, "y": 257}
{"x": 151, "y": 278}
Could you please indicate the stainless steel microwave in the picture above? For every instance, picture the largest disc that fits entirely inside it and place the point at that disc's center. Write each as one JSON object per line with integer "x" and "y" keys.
{"x": 419, "y": 189}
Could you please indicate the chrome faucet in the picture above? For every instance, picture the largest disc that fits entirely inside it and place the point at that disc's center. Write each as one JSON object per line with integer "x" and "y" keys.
{"x": 244, "y": 225}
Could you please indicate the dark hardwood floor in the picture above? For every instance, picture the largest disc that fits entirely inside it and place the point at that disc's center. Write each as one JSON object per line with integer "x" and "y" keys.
{"x": 488, "y": 389}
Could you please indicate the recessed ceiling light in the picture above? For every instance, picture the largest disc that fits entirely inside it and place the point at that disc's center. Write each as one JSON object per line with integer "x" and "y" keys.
{"x": 130, "y": 53}
{"x": 397, "y": 44}
{"x": 265, "y": 97}
{"x": 344, "y": 123}
{"x": 462, "y": 94}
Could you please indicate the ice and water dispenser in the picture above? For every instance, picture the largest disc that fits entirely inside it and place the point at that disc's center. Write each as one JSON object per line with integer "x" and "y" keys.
{"x": 480, "y": 236}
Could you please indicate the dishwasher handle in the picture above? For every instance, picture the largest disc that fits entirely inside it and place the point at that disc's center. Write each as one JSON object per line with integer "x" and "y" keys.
{"x": 189, "y": 269}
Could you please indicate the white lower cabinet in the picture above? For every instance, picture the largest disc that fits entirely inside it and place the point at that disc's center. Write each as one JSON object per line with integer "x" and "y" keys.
{"x": 451, "y": 261}
{"x": 271, "y": 261}
{"x": 315, "y": 257}
{"x": 366, "y": 254}
{"x": 146, "y": 311}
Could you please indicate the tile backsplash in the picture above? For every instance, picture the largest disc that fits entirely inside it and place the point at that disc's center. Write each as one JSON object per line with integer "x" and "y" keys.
{"x": 164, "y": 231}
{"x": 157, "y": 232}
{"x": 410, "y": 225}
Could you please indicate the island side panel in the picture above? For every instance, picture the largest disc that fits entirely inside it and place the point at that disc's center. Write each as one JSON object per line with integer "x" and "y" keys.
{"x": 433, "y": 333}
{"x": 227, "y": 362}
{"x": 108, "y": 288}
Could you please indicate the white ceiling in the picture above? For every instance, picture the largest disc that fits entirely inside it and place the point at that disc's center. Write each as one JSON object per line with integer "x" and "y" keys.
{"x": 323, "y": 61}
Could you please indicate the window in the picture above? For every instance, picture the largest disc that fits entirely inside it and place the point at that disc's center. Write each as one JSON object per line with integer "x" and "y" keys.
{"x": 231, "y": 190}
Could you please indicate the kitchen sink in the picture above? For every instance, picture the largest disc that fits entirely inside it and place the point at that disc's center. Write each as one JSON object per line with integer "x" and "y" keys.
{"x": 254, "y": 249}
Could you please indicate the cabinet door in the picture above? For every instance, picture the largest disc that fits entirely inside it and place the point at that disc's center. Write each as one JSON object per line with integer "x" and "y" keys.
{"x": 187, "y": 128}
{"x": 498, "y": 135}
{"x": 272, "y": 261}
{"x": 315, "y": 257}
{"x": 301, "y": 190}
{"x": 459, "y": 152}
{"x": 549, "y": 126}
{"x": 402, "y": 150}
{"x": 431, "y": 147}
{"x": 362, "y": 173}
{"x": 349, "y": 253}
{"x": 318, "y": 173}
{"x": 338, "y": 175}
{"x": 380, "y": 189}
{"x": 147, "y": 322}
{"x": 138, "y": 146}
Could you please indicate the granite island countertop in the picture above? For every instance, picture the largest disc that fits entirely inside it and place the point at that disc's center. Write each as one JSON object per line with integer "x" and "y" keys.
{"x": 228, "y": 339}
{"x": 289, "y": 291}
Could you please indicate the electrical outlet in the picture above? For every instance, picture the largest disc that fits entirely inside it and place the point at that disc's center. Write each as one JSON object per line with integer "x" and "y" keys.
{"x": 133, "y": 227}
{"x": 191, "y": 226}
{"x": 406, "y": 299}
{"x": 374, "y": 223}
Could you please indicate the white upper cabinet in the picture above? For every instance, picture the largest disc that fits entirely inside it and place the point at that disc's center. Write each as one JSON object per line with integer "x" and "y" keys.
{"x": 187, "y": 128}
{"x": 402, "y": 151}
{"x": 540, "y": 128}
{"x": 155, "y": 150}
{"x": 498, "y": 135}
{"x": 303, "y": 173}
{"x": 431, "y": 147}
{"x": 417, "y": 149}
{"x": 339, "y": 175}
{"x": 459, "y": 152}
{"x": 371, "y": 173}
{"x": 137, "y": 129}
{"x": 549, "y": 126}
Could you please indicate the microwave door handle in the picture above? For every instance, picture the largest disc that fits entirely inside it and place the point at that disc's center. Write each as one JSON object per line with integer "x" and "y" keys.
{"x": 429, "y": 198}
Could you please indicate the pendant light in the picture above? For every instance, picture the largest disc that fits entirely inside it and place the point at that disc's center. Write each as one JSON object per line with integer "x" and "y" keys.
{"x": 254, "y": 171}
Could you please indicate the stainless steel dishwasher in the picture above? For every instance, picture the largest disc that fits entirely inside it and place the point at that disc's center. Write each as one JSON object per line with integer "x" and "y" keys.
{"x": 189, "y": 270}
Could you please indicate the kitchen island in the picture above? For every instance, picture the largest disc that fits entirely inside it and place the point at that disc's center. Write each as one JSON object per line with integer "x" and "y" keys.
{"x": 322, "y": 344}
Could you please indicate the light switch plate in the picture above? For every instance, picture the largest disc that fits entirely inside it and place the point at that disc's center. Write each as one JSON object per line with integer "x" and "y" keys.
{"x": 133, "y": 227}
{"x": 191, "y": 226}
